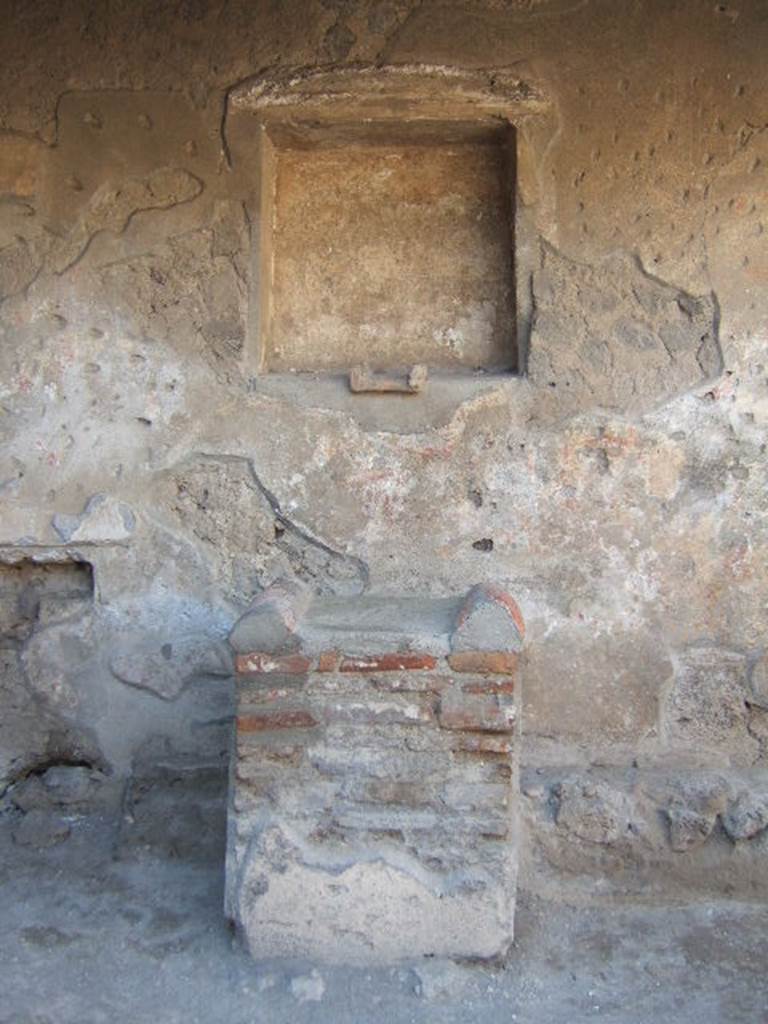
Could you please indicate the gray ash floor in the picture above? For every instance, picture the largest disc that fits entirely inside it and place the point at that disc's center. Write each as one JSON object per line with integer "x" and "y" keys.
{"x": 90, "y": 939}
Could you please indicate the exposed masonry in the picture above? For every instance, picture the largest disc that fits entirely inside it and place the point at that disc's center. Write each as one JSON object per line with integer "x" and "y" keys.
{"x": 373, "y": 810}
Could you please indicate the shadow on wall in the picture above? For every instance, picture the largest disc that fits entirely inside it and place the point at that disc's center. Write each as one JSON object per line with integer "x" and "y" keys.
{"x": 33, "y": 596}
{"x": 52, "y": 770}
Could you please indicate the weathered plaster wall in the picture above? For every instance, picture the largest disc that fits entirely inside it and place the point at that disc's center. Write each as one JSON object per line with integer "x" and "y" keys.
{"x": 618, "y": 490}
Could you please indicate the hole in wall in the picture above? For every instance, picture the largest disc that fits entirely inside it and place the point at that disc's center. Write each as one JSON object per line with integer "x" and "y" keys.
{"x": 33, "y": 594}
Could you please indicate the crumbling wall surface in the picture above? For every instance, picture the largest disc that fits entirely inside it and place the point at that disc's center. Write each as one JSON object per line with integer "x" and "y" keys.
{"x": 617, "y": 487}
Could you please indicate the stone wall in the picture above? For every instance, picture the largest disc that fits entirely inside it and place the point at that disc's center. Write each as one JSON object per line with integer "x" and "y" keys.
{"x": 616, "y": 487}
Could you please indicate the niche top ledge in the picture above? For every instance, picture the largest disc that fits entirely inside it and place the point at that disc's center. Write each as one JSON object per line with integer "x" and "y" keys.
{"x": 393, "y": 91}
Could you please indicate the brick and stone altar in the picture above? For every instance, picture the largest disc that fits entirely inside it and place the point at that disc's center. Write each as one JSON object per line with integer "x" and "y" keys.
{"x": 373, "y": 812}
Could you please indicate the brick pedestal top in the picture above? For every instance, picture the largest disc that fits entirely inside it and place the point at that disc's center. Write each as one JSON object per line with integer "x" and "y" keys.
{"x": 285, "y": 618}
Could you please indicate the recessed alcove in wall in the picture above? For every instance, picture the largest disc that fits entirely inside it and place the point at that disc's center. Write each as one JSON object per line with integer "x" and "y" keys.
{"x": 390, "y": 245}
{"x": 386, "y": 219}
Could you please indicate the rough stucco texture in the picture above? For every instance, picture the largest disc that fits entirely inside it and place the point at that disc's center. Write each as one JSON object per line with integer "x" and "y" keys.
{"x": 617, "y": 488}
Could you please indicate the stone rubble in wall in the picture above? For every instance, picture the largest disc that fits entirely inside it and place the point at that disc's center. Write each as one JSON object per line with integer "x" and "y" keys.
{"x": 592, "y": 812}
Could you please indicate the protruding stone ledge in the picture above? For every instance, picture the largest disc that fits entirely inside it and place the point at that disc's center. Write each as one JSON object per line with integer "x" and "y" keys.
{"x": 394, "y": 92}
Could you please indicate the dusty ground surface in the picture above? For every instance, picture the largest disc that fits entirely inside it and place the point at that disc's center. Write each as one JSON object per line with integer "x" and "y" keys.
{"x": 100, "y": 929}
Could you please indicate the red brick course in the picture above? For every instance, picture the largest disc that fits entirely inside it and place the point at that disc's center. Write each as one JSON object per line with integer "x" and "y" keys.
{"x": 490, "y": 686}
{"x": 274, "y": 720}
{"x": 493, "y": 662}
{"x": 328, "y": 661}
{"x": 392, "y": 662}
{"x": 258, "y": 663}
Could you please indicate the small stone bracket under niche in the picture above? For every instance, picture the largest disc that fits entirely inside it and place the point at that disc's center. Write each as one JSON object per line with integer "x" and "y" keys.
{"x": 386, "y": 219}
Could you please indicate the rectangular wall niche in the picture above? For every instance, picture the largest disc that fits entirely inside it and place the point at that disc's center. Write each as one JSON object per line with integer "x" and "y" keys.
{"x": 34, "y": 594}
{"x": 387, "y": 244}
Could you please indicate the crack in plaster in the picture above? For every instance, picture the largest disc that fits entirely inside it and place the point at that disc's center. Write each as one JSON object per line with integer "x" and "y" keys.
{"x": 285, "y": 521}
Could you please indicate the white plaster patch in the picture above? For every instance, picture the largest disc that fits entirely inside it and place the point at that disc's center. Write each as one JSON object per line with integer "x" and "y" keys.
{"x": 450, "y": 338}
